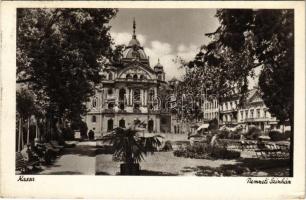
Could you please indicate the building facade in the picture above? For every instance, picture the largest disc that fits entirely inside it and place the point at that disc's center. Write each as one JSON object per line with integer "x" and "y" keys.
{"x": 210, "y": 109}
{"x": 255, "y": 113}
{"x": 129, "y": 93}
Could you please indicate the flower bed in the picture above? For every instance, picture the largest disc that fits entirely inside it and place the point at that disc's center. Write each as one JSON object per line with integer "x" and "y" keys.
{"x": 205, "y": 151}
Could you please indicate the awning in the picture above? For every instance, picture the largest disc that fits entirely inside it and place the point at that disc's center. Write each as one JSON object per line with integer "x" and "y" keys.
{"x": 203, "y": 126}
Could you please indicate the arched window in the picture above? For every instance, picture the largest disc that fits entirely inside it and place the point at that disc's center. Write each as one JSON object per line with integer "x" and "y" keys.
{"x": 150, "y": 126}
{"x": 94, "y": 102}
{"x": 93, "y": 119}
{"x": 151, "y": 94}
{"x": 121, "y": 106}
{"x": 110, "y": 106}
{"x": 122, "y": 123}
{"x": 135, "y": 77}
{"x": 110, "y": 91}
{"x": 142, "y": 77}
{"x": 136, "y": 95}
{"x": 128, "y": 76}
{"x": 122, "y": 94}
{"x": 110, "y": 76}
{"x": 110, "y": 125}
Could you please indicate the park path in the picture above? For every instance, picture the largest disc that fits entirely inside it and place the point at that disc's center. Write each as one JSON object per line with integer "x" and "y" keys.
{"x": 80, "y": 159}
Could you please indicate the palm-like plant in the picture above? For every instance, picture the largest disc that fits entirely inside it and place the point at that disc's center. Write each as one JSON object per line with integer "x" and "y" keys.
{"x": 131, "y": 146}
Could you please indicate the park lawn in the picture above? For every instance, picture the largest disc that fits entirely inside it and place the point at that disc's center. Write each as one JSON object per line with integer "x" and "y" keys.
{"x": 166, "y": 164}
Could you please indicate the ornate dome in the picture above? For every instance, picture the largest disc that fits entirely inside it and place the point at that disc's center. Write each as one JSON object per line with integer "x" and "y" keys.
{"x": 134, "y": 49}
{"x": 134, "y": 42}
{"x": 134, "y": 53}
{"x": 158, "y": 67}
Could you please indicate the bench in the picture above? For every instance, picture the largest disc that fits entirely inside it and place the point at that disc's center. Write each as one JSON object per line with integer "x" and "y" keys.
{"x": 22, "y": 164}
{"x": 271, "y": 151}
{"x": 56, "y": 145}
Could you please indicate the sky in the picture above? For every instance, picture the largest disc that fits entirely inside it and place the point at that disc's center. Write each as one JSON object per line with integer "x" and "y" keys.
{"x": 166, "y": 34}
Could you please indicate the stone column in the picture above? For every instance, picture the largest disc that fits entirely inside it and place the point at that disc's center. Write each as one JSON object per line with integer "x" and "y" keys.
{"x": 145, "y": 97}
{"x": 131, "y": 96}
{"x": 117, "y": 95}
{"x": 141, "y": 97}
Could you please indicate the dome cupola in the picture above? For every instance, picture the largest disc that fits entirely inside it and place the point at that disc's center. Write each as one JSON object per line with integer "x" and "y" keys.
{"x": 158, "y": 67}
{"x": 134, "y": 49}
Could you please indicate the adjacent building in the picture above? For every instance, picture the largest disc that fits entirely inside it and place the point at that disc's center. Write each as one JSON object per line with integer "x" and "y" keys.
{"x": 253, "y": 112}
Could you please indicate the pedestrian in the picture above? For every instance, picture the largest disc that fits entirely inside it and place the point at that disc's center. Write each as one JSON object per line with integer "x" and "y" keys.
{"x": 91, "y": 135}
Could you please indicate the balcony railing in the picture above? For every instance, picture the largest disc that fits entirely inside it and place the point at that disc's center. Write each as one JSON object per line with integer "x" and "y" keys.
{"x": 109, "y": 110}
{"x": 259, "y": 119}
{"x": 135, "y": 80}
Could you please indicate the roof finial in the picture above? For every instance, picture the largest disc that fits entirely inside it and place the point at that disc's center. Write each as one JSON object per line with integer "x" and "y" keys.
{"x": 134, "y": 28}
{"x": 158, "y": 61}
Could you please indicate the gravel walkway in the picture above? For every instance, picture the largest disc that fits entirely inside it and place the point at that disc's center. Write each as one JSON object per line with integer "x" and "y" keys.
{"x": 77, "y": 160}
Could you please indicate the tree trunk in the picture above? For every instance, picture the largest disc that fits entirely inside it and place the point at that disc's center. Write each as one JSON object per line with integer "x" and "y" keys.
{"x": 19, "y": 134}
{"x": 28, "y": 131}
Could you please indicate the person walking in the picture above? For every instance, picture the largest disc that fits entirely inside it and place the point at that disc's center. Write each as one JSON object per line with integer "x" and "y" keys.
{"x": 91, "y": 135}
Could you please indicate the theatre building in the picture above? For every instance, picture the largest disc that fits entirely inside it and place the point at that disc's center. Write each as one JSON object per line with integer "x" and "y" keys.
{"x": 128, "y": 93}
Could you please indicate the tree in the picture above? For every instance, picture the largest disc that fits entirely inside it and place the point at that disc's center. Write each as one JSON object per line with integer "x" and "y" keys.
{"x": 129, "y": 145}
{"x": 247, "y": 39}
{"x": 60, "y": 53}
{"x": 25, "y": 104}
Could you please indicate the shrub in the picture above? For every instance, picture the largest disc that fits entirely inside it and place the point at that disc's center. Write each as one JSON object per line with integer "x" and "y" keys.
{"x": 253, "y": 133}
{"x": 222, "y": 152}
{"x": 223, "y": 134}
{"x": 277, "y": 136}
{"x": 168, "y": 146}
{"x": 204, "y": 151}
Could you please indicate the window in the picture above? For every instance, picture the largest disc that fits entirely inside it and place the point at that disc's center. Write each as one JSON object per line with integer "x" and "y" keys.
{"x": 128, "y": 76}
{"x": 110, "y": 76}
{"x": 121, "y": 106}
{"x": 122, "y": 94}
{"x": 110, "y": 124}
{"x": 94, "y": 102}
{"x": 142, "y": 76}
{"x": 110, "y": 106}
{"x": 252, "y": 114}
{"x": 258, "y": 113}
{"x": 122, "y": 123}
{"x": 246, "y": 114}
{"x": 135, "y": 77}
{"x": 151, "y": 95}
{"x": 159, "y": 77}
{"x": 94, "y": 119}
{"x": 136, "y": 106}
{"x": 241, "y": 115}
{"x": 136, "y": 95}
{"x": 110, "y": 91}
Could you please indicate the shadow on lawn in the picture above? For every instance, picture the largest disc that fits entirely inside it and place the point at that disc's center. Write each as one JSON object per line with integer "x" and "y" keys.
{"x": 102, "y": 173}
{"x": 88, "y": 151}
{"x": 63, "y": 173}
{"x": 156, "y": 173}
{"x": 244, "y": 167}
{"x": 149, "y": 173}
